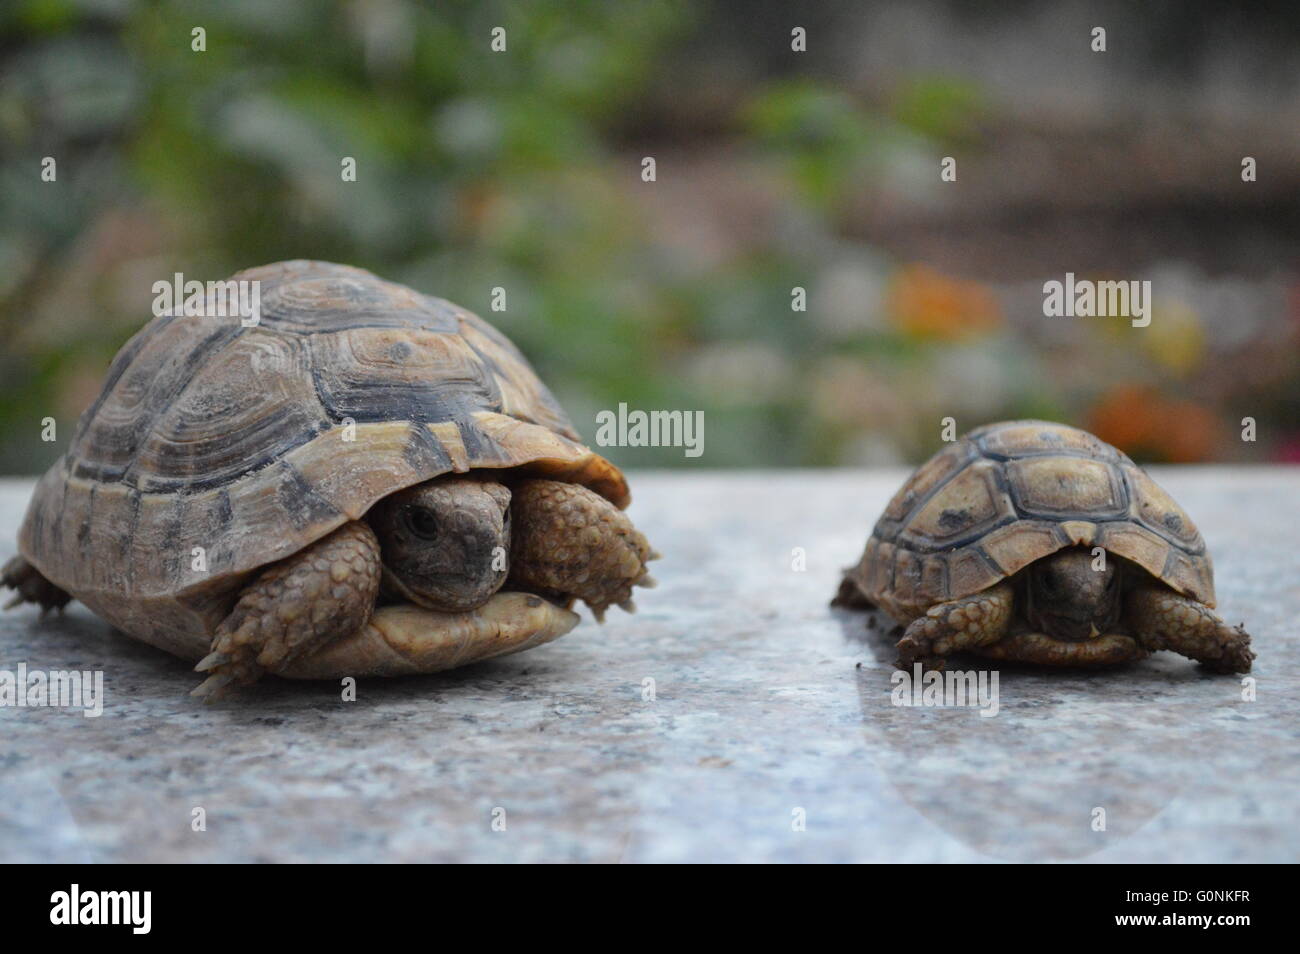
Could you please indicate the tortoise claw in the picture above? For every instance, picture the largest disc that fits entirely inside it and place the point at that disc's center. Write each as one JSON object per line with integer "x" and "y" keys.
{"x": 213, "y": 688}
{"x": 212, "y": 661}
{"x": 31, "y": 586}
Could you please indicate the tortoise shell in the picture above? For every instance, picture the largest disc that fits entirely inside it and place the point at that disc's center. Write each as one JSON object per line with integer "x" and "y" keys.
{"x": 1007, "y": 494}
{"x": 215, "y": 449}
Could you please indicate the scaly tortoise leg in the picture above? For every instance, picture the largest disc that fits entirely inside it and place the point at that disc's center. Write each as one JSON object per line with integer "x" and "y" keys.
{"x": 850, "y": 596}
{"x": 31, "y": 586}
{"x": 1163, "y": 619}
{"x": 968, "y": 623}
{"x": 571, "y": 542}
{"x": 294, "y": 607}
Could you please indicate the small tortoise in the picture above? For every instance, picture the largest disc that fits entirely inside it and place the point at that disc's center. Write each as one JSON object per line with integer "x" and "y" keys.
{"x": 368, "y": 481}
{"x": 1036, "y": 542}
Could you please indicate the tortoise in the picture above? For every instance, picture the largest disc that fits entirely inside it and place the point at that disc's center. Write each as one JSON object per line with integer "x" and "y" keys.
{"x": 368, "y": 480}
{"x": 1036, "y": 542}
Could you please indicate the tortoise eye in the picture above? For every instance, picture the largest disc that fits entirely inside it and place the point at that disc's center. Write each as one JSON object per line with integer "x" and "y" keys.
{"x": 422, "y": 523}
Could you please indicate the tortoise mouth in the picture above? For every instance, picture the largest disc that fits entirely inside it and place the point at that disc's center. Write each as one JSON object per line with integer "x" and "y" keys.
{"x": 1069, "y": 629}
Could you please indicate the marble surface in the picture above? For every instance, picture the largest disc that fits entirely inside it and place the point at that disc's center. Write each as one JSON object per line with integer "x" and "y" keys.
{"x": 768, "y": 709}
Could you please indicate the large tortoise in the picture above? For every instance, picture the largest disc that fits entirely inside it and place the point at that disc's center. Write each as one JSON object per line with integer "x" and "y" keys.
{"x": 1037, "y": 542}
{"x": 368, "y": 481}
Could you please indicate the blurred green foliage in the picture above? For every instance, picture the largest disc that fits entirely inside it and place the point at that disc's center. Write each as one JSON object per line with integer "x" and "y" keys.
{"x": 519, "y": 169}
{"x": 475, "y": 169}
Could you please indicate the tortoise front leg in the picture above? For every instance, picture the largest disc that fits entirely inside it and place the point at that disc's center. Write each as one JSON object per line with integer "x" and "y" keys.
{"x": 572, "y": 543}
{"x": 294, "y": 607}
{"x": 980, "y": 619}
{"x": 1163, "y": 619}
{"x": 31, "y": 586}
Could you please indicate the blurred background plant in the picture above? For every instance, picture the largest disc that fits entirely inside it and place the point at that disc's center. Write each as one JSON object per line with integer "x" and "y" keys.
{"x": 776, "y": 170}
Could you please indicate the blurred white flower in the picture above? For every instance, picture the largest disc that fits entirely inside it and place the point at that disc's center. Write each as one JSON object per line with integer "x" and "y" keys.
{"x": 736, "y": 374}
{"x": 846, "y": 298}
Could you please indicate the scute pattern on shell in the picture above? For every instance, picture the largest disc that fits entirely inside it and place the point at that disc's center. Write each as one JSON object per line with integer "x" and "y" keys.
{"x": 234, "y": 439}
{"x": 1008, "y": 494}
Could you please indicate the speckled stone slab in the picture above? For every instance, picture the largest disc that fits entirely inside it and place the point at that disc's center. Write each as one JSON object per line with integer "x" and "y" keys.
{"x": 736, "y": 717}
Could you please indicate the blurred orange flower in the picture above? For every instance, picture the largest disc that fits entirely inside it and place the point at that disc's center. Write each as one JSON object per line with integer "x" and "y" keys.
{"x": 928, "y": 304}
{"x": 1143, "y": 423}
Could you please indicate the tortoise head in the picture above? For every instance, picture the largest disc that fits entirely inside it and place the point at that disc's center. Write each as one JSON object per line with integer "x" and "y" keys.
{"x": 1070, "y": 599}
{"x": 446, "y": 542}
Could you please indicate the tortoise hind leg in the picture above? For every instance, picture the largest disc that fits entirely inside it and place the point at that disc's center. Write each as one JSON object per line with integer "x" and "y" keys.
{"x": 294, "y": 607}
{"x": 850, "y": 595}
{"x": 980, "y": 619}
{"x": 31, "y": 586}
{"x": 1163, "y": 619}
